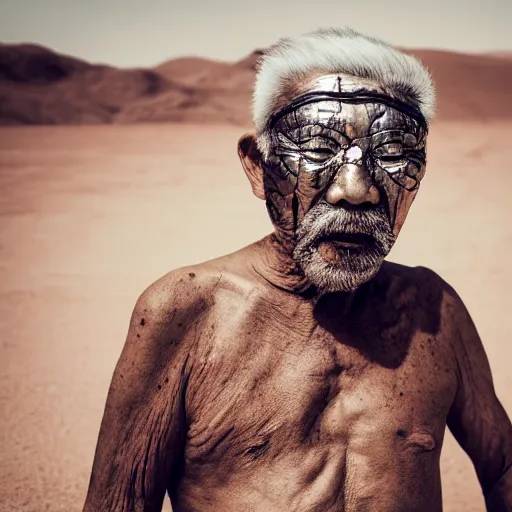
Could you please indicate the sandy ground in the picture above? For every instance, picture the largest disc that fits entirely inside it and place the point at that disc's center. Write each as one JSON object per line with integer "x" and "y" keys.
{"x": 91, "y": 215}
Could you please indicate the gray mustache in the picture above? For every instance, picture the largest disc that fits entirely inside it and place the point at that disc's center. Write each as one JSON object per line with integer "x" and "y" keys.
{"x": 324, "y": 219}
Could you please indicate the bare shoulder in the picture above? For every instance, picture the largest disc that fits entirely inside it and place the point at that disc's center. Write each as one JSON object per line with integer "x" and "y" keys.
{"x": 181, "y": 297}
{"x": 164, "y": 330}
{"x": 182, "y": 289}
{"x": 428, "y": 282}
{"x": 169, "y": 309}
{"x": 433, "y": 284}
{"x": 438, "y": 307}
{"x": 441, "y": 308}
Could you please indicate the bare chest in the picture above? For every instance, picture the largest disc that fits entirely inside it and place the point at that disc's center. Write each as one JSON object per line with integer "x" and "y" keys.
{"x": 282, "y": 391}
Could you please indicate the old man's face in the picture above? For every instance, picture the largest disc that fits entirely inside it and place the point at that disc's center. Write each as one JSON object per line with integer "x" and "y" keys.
{"x": 343, "y": 166}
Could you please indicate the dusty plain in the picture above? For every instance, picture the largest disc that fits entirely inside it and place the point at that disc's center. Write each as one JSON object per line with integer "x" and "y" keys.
{"x": 90, "y": 215}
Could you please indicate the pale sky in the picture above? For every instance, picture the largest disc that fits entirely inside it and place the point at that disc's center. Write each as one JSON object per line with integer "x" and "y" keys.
{"x": 133, "y": 33}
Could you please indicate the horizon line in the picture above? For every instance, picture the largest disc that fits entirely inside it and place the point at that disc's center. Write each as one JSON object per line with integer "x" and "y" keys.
{"x": 499, "y": 54}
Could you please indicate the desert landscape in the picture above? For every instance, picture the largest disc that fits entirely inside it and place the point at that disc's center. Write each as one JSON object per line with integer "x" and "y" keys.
{"x": 41, "y": 87}
{"x": 94, "y": 210}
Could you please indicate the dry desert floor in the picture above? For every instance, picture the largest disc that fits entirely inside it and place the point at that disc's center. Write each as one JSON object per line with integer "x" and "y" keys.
{"x": 89, "y": 216}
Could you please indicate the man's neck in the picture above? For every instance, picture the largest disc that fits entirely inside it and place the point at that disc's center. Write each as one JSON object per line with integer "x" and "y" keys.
{"x": 275, "y": 264}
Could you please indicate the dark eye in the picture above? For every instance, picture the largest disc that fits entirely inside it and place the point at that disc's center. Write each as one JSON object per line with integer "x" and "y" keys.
{"x": 318, "y": 155}
{"x": 390, "y": 152}
{"x": 318, "y": 149}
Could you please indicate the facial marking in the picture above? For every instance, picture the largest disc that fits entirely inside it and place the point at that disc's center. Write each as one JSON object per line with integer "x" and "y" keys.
{"x": 353, "y": 155}
{"x": 310, "y": 137}
{"x": 318, "y": 139}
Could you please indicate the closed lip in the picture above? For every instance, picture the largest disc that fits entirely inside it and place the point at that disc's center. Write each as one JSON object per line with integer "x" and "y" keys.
{"x": 348, "y": 240}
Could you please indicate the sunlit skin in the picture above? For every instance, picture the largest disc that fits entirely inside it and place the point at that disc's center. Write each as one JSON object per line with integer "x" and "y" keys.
{"x": 253, "y": 382}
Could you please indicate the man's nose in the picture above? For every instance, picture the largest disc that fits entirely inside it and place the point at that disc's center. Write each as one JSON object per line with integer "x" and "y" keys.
{"x": 354, "y": 185}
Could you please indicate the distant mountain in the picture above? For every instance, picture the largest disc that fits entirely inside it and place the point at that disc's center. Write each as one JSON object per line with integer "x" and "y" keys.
{"x": 469, "y": 86}
{"x": 39, "y": 86}
{"x": 501, "y": 55}
{"x": 33, "y": 64}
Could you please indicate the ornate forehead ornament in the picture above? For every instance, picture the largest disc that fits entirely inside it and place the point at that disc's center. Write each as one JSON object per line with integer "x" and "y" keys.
{"x": 355, "y": 96}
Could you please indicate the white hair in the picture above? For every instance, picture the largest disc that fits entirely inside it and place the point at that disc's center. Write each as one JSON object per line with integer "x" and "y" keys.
{"x": 339, "y": 51}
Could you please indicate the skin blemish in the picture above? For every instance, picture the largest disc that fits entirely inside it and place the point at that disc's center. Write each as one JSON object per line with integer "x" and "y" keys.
{"x": 401, "y": 393}
{"x": 138, "y": 335}
{"x": 191, "y": 274}
{"x": 401, "y": 433}
{"x": 142, "y": 322}
{"x": 159, "y": 386}
{"x": 256, "y": 451}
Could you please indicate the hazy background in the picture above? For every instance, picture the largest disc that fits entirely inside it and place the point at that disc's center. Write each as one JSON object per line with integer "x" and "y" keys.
{"x": 130, "y": 34}
{"x": 110, "y": 177}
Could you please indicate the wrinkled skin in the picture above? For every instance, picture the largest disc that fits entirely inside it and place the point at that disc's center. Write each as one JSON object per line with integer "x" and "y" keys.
{"x": 325, "y": 138}
{"x": 245, "y": 386}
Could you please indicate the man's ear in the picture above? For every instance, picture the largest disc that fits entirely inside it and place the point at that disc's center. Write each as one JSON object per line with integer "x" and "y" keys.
{"x": 251, "y": 159}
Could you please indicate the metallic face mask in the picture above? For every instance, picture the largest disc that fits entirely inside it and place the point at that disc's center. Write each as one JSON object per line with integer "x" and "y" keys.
{"x": 343, "y": 129}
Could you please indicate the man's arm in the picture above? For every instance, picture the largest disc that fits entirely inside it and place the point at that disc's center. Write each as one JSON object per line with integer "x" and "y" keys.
{"x": 477, "y": 419}
{"x": 142, "y": 434}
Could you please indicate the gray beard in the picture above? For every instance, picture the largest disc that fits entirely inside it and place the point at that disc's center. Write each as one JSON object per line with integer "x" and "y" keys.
{"x": 354, "y": 266}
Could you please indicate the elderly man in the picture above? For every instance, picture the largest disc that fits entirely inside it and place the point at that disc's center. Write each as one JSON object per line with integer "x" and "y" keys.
{"x": 304, "y": 373}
